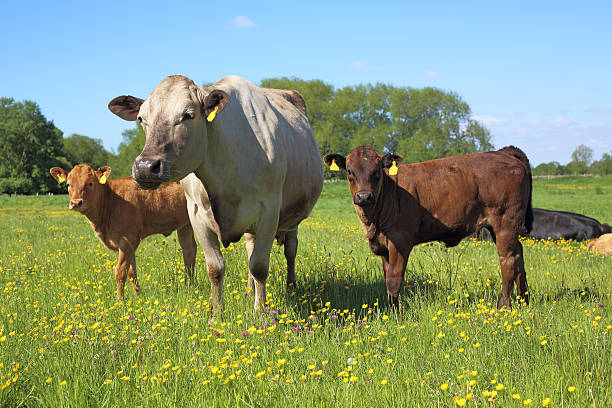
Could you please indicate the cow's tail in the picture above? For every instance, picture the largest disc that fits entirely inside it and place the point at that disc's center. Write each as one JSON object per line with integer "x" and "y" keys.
{"x": 519, "y": 154}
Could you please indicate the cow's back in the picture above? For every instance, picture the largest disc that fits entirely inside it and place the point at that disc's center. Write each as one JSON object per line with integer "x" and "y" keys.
{"x": 282, "y": 156}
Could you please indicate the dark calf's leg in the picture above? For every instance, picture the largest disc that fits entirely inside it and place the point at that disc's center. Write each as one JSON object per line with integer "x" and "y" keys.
{"x": 395, "y": 274}
{"x": 510, "y": 253}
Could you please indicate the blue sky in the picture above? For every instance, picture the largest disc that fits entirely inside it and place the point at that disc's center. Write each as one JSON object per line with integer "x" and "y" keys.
{"x": 537, "y": 74}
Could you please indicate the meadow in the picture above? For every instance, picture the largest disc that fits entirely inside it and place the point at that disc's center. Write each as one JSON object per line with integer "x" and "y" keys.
{"x": 66, "y": 341}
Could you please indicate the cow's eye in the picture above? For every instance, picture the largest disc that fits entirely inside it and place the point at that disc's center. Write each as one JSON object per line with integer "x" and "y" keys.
{"x": 67, "y": 184}
{"x": 187, "y": 116}
{"x": 139, "y": 119}
{"x": 349, "y": 172}
{"x": 90, "y": 184}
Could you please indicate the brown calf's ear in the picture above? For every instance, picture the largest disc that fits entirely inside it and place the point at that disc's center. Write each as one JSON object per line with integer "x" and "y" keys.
{"x": 103, "y": 173}
{"x": 389, "y": 158}
{"x": 58, "y": 174}
{"x": 336, "y": 158}
{"x": 214, "y": 103}
{"x": 126, "y": 107}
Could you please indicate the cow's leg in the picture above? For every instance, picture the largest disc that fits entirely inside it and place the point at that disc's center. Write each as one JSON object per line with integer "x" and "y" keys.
{"x": 510, "y": 253}
{"x": 215, "y": 265}
{"x": 190, "y": 249}
{"x": 259, "y": 262}
{"x": 395, "y": 274}
{"x": 290, "y": 248}
{"x": 250, "y": 244}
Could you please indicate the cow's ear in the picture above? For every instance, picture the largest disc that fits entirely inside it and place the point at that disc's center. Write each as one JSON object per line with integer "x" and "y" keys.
{"x": 335, "y": 158}
{"x": 58, "y": 174}
{"x": 126, "y": 106}
{"x": 214, "y": 103}
{"x": 389, "y": 158}
{"x": 103, "y": 173}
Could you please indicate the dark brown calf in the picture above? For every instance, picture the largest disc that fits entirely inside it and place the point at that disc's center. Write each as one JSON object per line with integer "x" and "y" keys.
{"x": 121, "y": 215}
{"x": 441, "y": 200}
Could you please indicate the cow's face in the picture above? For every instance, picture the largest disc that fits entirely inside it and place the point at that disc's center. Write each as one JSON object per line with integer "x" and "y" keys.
{"x": 85, "y": 185}
{"x": 175, "y": 119}
{"x": 364, "y": 172}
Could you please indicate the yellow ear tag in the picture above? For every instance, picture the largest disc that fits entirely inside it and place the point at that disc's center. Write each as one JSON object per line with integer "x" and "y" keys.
{"x": 103, "y": 178}
{"x": 212, "y": 114}
{"x": 393, "y": 169}
{"x": 334, "y": 166}
{"x": 60, "y": 179}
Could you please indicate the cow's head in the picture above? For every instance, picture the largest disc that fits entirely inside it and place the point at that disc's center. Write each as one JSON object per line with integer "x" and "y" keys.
{"x": 85, "y": 185}
{"x": 175, "y": 119}
{"x": 364, "y": 172}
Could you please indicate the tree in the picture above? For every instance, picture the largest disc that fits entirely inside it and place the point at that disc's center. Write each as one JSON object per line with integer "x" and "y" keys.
{"x": 82, "y": 149}
{"x": 603, "y": 166}
{"x": 583, "y": 154}
{"x": 317, "y": 95}
{"x": 128, "y": 150}
{"x": 29, "y": 146}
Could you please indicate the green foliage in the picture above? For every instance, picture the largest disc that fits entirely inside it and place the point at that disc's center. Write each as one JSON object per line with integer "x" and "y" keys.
{"x": 603, "y": 166}
{"x": 583, "y": 154}
{"x": 29, "y": 146}
{"x": 128, "y": 150}
{"x": 419, "y": 124}
{"x": 85, "y": 150}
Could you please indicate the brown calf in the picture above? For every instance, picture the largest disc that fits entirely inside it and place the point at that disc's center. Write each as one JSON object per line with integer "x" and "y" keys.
{"x": 441, "y": 200}
{"x": 121, "y": 215}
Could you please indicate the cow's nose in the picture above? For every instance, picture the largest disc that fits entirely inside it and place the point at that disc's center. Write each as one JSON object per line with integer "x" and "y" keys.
{"x": 76, "y": 203}
{"x": 363, "y": 198}
{"x": 147, "y": 168}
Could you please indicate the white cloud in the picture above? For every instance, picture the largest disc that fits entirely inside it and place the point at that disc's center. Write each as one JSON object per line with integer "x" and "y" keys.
{"x": 430, "y": 75}
{"x": 562, "y": 121}
{"x": 243, "y": 21}
{"x": 359, "y": 64}
{"x": 491, "y": 120}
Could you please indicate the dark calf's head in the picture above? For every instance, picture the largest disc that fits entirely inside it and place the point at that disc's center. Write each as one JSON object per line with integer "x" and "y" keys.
{"x": 364, "y": 172}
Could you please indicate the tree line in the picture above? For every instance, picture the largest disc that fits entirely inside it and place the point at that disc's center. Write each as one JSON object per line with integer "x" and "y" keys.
{"x": 419, "y": 124}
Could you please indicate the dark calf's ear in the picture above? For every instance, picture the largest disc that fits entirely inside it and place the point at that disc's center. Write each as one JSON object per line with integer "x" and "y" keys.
{"x": 389, "y": 158}
{"x": 103, "y": 173}
{"x": 336, "y": 158}
{"x": 126, "y": 107}
{"x": 214, "y": 103}
{"x": 58, "y": 174}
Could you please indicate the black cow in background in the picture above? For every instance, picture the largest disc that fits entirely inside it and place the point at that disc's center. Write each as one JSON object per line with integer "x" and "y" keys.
{"x": 565, "y": 225}
{"x": 556, "y": 225}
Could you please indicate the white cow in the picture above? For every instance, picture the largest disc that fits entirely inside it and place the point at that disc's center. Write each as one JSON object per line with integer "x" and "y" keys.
{"x": 255, "y": 161}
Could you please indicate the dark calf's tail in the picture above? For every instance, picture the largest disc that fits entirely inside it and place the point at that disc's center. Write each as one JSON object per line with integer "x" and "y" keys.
{"x": 519, "y": 154}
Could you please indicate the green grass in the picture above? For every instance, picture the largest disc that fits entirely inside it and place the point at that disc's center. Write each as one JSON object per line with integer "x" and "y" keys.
{"x": 66, "y": 341}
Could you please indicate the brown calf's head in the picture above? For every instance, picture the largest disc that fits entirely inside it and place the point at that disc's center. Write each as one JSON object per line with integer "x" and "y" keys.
{"x": 364, "y": 172}
{"x": 174, "y": 118}
{"x": 85, "y": 185}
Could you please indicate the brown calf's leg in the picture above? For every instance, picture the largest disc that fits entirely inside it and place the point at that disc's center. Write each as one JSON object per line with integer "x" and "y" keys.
{"x": 120, "y": 272}
{"x": 395, "y": 274}
{"x": 190, "y": 249}
{"x": 132, "y": 276}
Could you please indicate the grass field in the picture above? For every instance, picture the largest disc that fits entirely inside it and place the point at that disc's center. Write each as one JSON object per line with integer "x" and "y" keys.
{"x": 66, "y": 341}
